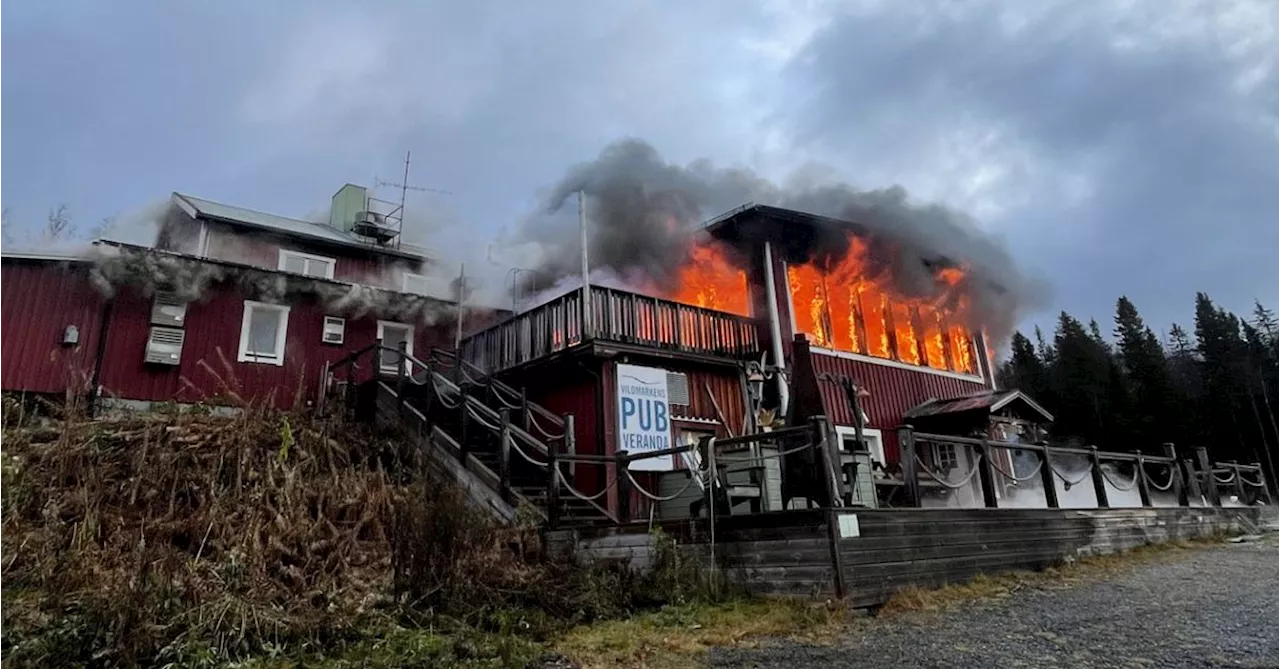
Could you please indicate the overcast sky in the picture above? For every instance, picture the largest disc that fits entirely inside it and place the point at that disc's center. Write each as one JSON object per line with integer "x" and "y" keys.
{"x": 1115, "y": 147}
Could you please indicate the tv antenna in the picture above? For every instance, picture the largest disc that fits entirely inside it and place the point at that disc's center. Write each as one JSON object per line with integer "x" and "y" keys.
{"x": 404, "y": 185}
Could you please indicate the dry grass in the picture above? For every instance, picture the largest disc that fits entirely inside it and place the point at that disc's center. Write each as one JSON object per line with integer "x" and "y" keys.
{"x": 678, "y": 636}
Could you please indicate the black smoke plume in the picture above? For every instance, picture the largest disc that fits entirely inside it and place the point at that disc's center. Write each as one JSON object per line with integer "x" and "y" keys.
{"x": 644, "y": 213}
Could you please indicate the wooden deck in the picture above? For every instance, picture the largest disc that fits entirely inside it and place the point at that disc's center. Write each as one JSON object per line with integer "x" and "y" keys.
{"x": 617, "y": 316}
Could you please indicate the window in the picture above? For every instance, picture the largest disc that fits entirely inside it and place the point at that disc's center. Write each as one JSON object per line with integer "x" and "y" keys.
{"x": 262, "y": 333}
{"x": 944, "y": 457}
{"x": 334, "y": 330}
{"x": 872, "y": 437}
{"x": 391, "y": 335}
{"x": 306, "y": 264}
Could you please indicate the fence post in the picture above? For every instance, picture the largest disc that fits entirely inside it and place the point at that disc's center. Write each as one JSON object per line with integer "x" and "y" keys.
{"x": 624, "y": 490}
{"x": 1194, "y": 491}
{"x": 1099, "y": 482}
{"x": 571, "y": 443}
{"x": 1262, "y": 478}
{"x": 464, "y": 421}
{"x": 553, "y": 483}
{"x": 504, "y": 456}
{"x": 524, "y": 410}
{"x": 402, "y": 369}
{"x": 822, "y": 459}
{"x": 1144, "y": 491}
{"x": 1235, "y": 468}
{"x": 1175, "y": 471}
{"x": 985, "y": 476}
{"x": 907, "y": 463}
{"x": 1046, "y": 478}
{"x": 1202, "y": 459}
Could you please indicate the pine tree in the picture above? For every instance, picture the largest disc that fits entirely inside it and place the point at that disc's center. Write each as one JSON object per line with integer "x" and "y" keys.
{"x": 1082, "y": 383}
{"x": 1025, "y": 370}
{"x": 1155, "y": 418}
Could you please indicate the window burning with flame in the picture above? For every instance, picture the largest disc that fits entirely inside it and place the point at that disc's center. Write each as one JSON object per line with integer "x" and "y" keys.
{"x": 846, "y": 308}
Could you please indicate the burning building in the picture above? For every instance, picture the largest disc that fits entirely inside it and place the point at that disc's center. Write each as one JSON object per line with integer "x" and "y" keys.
{"x": 827, "y": 305}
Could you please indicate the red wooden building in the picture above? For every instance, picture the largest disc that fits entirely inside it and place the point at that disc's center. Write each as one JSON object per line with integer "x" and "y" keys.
{"x": 230, "y": 306}
{"x": 565, "y": 354}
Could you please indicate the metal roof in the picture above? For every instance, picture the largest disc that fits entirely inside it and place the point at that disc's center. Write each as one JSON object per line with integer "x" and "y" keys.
{"x": 319, "y": 232}
{"x": 991, "y": 400}
{"x": 44, "y": 255}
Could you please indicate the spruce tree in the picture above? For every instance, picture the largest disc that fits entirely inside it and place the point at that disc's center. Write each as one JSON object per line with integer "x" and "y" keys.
{"x": 1155, "y": 419}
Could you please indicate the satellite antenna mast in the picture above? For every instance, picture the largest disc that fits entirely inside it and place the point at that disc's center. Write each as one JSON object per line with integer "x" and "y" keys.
{"x": 404, "y": 187}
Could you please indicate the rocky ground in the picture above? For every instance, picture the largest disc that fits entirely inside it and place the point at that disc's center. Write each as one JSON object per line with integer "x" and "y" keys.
{"x": 1215, "y": 607}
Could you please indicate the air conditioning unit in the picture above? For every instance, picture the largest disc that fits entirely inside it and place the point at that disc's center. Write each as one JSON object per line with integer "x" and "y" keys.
{"x": 164, "y": 346}
{"x": 168, "y": 310}
{"x": 371, "y": 217}
{"x": 334, "y": 330}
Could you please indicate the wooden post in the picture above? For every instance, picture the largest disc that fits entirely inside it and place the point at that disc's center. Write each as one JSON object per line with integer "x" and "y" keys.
{"x": 504, "y": 456}
{"x": 822, "y": 460}
{"x": 1144, "y": 491}
{"x": 524, "y": 411}
{"x": 837, "y": 562}
{"x": 624, "y": 489}
{"x": 840, "y": 495}
{"x": 1099, "y": 482}
{"x": 1265, "y": 490}
{"x": 1206, "y": 467}
{"x": 1175, "y": 471}
{"x": 571, "y": 443}
{"x": 1194, "y": 490}
{"x": 1235, "y": 468}
{"x": 985, "y": 475}
{"x": 463, "y": 423}
{"x": 1046, "y": 478}
{"x": 553, "y": 479}
{"x": 907, "y": 462}
{"x": 401, "y": 373}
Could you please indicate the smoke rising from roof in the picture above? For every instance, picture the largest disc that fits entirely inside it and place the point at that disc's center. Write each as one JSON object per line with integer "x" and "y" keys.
{"x": 644, "y": 213}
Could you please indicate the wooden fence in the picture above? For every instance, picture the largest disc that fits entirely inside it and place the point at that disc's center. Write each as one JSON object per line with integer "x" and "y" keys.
{"x": 1189, "y": 482}
{"x": 616, "y": 316}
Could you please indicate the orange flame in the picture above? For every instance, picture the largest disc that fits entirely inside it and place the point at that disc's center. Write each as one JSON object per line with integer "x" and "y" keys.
{"x": 710, "y": 280}
{"x": 846, "y": 308}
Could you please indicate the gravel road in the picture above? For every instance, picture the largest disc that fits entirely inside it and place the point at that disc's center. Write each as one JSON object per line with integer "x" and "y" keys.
{"x": 1215, "y": 607}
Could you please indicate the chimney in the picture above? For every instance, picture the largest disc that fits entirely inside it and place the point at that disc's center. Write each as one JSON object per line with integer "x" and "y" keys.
{"x": 347, "y": 203}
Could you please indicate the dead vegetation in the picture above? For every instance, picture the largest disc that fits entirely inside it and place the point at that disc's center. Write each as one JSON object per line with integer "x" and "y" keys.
{"x": 192, "y": 539}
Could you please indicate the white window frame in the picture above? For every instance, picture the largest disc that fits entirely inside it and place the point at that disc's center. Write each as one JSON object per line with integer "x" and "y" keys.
{"x": 408, "y": 276}
{"x": 953, "y": 456}
{"x": 873, "y": 437}
{"x": 308, "y": 258}
{"x": 282, "y": 330}
{"x": 382, "y": 328}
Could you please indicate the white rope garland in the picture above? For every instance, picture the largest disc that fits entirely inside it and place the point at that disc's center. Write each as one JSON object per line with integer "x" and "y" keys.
{"x": 1087, "y": 472}
{"x": 954, "y": 486}
{"x": 1229, "y": 479}
{"x": 528, "y": 413}
{"x": 516, "y": 447}
{"x": 1028, "y": 477}
{"x": 573, "y": 491}
{"x": 1117, "y": 486}
{"x": 646, "y": 493}
{"x": 1258, "y": 484}
{"x": 1168, "y": 484}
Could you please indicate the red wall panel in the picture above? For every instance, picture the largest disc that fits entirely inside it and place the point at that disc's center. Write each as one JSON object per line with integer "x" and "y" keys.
{"x": 209, "y": 368}
{"x": 893, "y": 391}
{"x": 39, "y": 300}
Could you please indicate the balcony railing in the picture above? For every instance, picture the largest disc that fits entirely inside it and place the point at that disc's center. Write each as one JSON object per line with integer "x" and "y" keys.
{"x": 617, "y": 316}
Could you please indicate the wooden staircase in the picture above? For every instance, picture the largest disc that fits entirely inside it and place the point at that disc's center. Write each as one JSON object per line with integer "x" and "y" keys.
{"x": 498, "y": 446}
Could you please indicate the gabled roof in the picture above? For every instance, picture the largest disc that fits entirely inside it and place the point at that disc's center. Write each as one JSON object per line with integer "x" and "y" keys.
{"x": 316, "y": 232}
{"x": 989, "y": 401}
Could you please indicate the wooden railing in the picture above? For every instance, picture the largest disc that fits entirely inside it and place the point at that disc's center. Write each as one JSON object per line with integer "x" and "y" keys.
{"x": 617, "y": 316}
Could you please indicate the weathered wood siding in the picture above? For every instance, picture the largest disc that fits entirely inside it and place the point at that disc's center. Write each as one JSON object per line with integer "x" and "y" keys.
{"x": 790, "y": 553}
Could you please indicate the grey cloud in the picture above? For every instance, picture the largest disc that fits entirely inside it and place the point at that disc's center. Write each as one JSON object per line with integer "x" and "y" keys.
{"x": 1178, "y": 160}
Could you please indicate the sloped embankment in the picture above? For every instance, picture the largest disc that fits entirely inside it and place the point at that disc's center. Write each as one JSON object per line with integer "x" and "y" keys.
{"x": 187, "y": 539}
